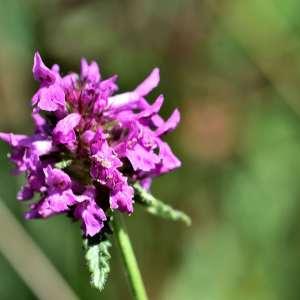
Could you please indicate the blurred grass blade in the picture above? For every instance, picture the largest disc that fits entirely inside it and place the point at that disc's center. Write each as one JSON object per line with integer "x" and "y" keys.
{"x": 159, "y": 208}
{"x": 97, "y": 257}
{"x": 28, "y": 260}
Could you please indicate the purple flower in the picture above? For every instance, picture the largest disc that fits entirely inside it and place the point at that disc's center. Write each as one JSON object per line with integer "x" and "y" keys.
{"x": 26, "y": 150}
{"x": 141, "y": 158}
{"x": 64, "y": 132}
{"x": 88, "y": 211}
{"x": 50, "y": 98}
{"x": 90, "y": 145}
{"x": 170, "y": 124}
{"x": 56, "y": 179}
{"x": 135, "y": 98}
{"x": 58, "y": 196}
{"x": 168, "y": 161}
{"x": 41, "y": 73}
{"x": 119, "y": 198}
{"x": 90, "y": 73}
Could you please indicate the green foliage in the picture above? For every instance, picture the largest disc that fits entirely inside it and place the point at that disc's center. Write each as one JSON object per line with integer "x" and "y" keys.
{"x": 97, "y": 257}
{"x": 252, "y": 251}
{"x": 219, "y": 269}
{"x": 63, "y": 164}
{"x": 159, "y": 208}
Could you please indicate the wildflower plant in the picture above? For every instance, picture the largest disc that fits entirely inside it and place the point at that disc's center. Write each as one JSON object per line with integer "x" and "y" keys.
{"x": 93, "y": 156}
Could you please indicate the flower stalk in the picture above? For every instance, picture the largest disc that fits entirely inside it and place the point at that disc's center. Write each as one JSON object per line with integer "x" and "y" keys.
{"x": 128, "y": 258}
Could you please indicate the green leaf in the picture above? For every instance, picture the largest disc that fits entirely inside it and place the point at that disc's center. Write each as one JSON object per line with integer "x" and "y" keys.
{"x": 159, "y": 208}
{"x": 63, "y": 164}
{"x": 97, "y": 257}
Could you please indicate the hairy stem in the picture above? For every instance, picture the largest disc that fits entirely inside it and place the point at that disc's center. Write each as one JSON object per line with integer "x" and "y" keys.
{"x": 128, "y": 257}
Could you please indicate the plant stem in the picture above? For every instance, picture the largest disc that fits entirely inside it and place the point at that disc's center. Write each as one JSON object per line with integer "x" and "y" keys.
{"x": 128, "y": 257}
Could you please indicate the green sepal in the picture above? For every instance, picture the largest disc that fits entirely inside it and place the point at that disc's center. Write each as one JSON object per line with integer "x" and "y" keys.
{"x": 159, "y": 208}
{"x": 97, "y": 258}
{"x": 63, "y": 164}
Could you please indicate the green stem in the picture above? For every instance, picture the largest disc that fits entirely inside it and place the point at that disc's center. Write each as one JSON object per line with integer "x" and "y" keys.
{"x": 128, "y": 257}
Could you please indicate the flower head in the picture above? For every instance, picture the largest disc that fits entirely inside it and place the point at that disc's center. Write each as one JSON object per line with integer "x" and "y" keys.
{"x": 109, "y": 140}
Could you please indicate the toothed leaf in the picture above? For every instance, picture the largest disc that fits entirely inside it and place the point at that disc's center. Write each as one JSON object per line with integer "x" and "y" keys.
{"x": 97, "y": 257}
{"x": 159, "y": 208}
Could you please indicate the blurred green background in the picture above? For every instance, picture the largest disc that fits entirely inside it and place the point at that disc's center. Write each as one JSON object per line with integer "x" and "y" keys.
{"x": 233, "y": 69}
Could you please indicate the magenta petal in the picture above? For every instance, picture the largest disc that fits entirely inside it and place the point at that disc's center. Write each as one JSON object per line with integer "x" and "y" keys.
{"x": 68, "y": 82}
{"x": 64, "y": 133}
{"x": 33, "y": 212}
{"x": 42, "y": 147}
{"x": 42, "y": 73}
{"x": 12, "y": 139}
{"x": 157, "y": 120}
{"x": 93, "y": 220}
{"x": 53, "y": 204}
{"x": 108, "y": 86}
{"x": 131, "y": 99}
{"x": 141, "y": 159}
{"x": 123, "y": 100}
{"x": 25, "y": 193}
{"x": 39, "y": 121}
{"x": 168, "y": 160}
{"x": 170, "y": 124}
{"x": 122, "y": 199}
{"x": 57, "y": 179}
{"x": 149, "y": 83}
{"x": 50, "y": 98}
{"x": 91, "y": 215}
{"x": 68, "y": 123}
{"x": 146, "y": 183}
{"x": 55, "y": 68}
{"x": 153, "y": 109}
{"x": 90, "y": 72}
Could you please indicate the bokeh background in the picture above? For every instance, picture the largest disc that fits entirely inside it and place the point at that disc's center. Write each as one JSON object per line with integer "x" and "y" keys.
{"x": 233, "y": 69}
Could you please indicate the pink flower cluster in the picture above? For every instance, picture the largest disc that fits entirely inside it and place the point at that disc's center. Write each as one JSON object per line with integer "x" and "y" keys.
{"x": 90, "y": 144}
